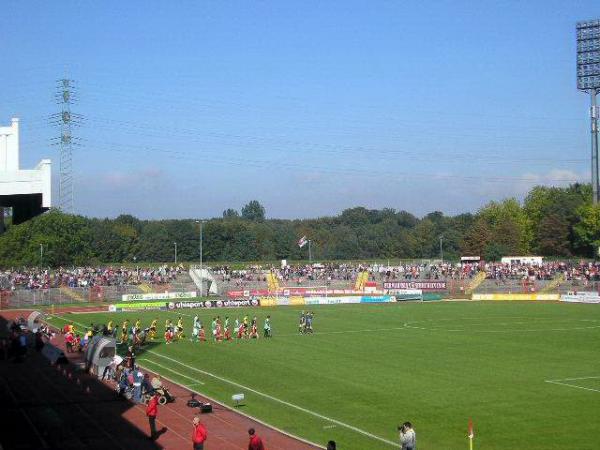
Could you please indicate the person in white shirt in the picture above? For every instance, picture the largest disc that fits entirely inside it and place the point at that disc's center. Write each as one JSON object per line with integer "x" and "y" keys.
{"x": 408, "y": 438}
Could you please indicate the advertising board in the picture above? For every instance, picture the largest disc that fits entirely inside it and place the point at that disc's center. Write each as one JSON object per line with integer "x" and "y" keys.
{"x": 403, "y": 295}
{"x": 158, "y": 296}
{"x": 414, "y": 285}
{"x": 208, "y": 304}
{"x": 137, "y": 306}
{"x": 248, "y": 293}
{"x": 581, "y": 297}
{"x": 378, "y": 299}
{"x": 331, "y": 300}
{"x": 554, "y": 297}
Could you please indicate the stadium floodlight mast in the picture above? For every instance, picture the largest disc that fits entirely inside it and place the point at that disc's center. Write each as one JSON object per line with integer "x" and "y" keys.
{"x": 588, "y": 80}
{"x": 199, "y": 222}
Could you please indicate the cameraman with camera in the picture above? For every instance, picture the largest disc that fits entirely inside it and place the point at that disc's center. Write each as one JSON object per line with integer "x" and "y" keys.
{"x": 408, "y": 438}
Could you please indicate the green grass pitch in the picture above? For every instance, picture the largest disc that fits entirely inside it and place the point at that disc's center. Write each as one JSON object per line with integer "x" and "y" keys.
{"x": 527, "y": 373}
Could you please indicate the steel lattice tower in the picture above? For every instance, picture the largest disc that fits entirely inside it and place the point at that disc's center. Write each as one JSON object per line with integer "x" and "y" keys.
{"x": 65, "y": 96}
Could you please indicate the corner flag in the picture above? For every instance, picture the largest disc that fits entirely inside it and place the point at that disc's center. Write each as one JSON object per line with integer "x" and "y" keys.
{"x": 471, "y": 434}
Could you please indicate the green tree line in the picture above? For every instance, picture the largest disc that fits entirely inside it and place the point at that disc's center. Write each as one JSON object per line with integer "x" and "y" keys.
{"x": 551, "y": 221}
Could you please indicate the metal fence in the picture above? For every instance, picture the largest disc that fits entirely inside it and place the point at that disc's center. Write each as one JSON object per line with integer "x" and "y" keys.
{"x": 27, "y": 298}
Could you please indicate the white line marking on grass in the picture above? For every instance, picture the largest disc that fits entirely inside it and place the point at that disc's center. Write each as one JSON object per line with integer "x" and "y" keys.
{"x": 562, "y": 382}
{"x": 366, "y": 330}
{"x": 573, "y": 386}
{"x": 238, "y": 412}
{"x": 194, "y": 381}
{"x": 283, "y": 402}
{"x": 410, "y": 325}
{"x": 574, "y": 379}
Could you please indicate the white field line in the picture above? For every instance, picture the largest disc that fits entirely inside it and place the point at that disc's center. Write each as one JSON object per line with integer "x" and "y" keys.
{"x": 574, "y": 379}
{"x": 573, "y": 386}
{"x": 283, "y": 402}
{"x": 237, "y": 411}
{"x": 194, "y": 381}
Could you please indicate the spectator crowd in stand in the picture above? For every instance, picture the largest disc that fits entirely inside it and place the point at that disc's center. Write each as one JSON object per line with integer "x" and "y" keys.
{"x": 326, "y": 273}
{"x": 301, "y": 274}
{"x": 82, "y": 277}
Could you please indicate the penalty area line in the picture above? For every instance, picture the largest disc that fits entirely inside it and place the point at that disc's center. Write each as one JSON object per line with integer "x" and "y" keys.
{"x": 283, "y": 402}
{"x": 572, "y": 386}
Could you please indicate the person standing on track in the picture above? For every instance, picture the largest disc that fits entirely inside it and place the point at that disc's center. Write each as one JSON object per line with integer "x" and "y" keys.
{"x": 152, "y": 412}
{"x": 256, "y": 442}
{"x": 199, "y": 434}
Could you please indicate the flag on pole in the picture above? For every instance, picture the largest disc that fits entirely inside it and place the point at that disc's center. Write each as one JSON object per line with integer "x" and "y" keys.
{"x": 302, "y": 242}
{"x": 471, "y": 434}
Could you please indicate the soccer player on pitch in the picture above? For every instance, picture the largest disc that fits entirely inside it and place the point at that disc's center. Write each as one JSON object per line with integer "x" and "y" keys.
{"x": 153, "y": 329}
{"x": 195, "y": 328}
{"x": 267, "y": 327}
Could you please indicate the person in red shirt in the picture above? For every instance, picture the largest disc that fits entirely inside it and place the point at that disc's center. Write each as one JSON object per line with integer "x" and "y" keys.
{"x": 168, "y": 336}
{"x": 69, "y": 341}
{"x": 152, "y": 412}
{"x": 199, "y": 434}
{"x": 256, "y": 442}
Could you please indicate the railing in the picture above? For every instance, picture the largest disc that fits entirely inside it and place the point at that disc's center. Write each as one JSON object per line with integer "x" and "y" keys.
{"x": 26, "y": 298}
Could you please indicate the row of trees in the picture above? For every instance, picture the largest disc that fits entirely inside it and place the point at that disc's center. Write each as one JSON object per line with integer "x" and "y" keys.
{"x": 560, "y": 222}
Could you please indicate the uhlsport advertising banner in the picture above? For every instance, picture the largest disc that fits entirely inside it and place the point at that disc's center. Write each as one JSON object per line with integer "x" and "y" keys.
{"x": 420, "y": 285}
{"x": 581, "y": 297}
{"x": 158, "y": 296}
{"x": 208, "y": 304}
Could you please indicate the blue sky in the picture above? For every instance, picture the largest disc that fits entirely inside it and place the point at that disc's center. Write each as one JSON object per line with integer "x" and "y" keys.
{"x": 309, "y": 107}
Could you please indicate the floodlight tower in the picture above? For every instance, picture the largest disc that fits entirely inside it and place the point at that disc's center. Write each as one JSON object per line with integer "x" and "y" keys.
{"x": 588, "y": 80}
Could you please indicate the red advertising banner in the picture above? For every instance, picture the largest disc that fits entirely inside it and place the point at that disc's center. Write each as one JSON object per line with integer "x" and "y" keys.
{"x": 248, "y": 293}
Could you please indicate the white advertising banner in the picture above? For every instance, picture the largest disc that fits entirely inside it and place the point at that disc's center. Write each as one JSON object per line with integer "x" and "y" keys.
{"x": 404, "y": 291}
{"x": 581, "y": 297}
{"x": 331, "y": 300}
{"x": 158, "y": 296}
